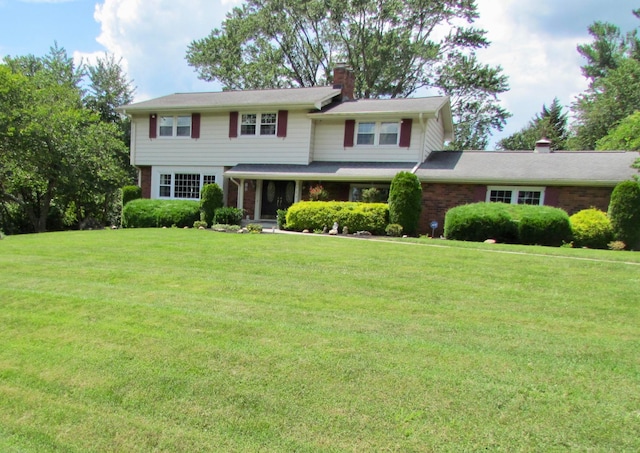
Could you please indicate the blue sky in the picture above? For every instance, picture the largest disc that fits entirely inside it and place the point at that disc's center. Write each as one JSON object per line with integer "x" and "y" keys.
{"x": 533, "y": 40}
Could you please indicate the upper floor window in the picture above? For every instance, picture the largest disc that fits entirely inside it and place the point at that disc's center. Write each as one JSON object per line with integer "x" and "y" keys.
{"x": 175, "y": 126}
{"x": 516, "y": 195}
{"x": 258, "y": 124}
{"x": 378, "y": 133}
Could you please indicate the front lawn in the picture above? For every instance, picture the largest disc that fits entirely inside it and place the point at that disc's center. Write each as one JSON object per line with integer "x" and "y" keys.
{"x": 188, "y": 340}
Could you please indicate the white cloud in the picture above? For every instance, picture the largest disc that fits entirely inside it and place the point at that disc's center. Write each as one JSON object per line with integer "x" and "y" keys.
{"x": 541, "y": 65}
{"x": 152, "y": 38}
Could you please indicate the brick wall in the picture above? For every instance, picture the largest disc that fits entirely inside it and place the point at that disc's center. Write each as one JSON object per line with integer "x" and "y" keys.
{"x": 574, "y": 199}
{"x": 437, "y": 199}
{"x": 145, "y": 181}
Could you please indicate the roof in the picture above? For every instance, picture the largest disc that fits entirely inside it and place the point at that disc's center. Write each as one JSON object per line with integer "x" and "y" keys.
{"x": 315, "y": 97}
{"x": 528, "y": 167}
{"x": 429, "y": 107}
{"x": 581, "y": 168}
{"x": 335, "y": 171}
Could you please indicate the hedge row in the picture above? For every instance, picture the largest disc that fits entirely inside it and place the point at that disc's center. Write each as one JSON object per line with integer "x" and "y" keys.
{"x": 315, "y": 215}
{"x": 520, "y": 224}
{"x": 148, "y": 213}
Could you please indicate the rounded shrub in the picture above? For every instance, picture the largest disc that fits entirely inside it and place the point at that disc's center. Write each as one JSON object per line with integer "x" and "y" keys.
{"x": 211, "y": 198}
{"x": 315, "y": 215}
{"x": 228, "y": 216}
{"x": 542, "y": 225}
{"x": 405, "y": 201}
{"x": 478, "y": 222}
{"x": 147, "y": 213}
{"x": 591, "y": 228}
{"x": 624, "y": 213}
{"x": 130, "y": 193}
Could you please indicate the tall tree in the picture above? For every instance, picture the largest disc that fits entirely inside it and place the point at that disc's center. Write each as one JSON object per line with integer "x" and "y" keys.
{"x": 53, "y": 151}
{"x": 395, "y": 47}
{"x": 550, "y": 123}
{"x": 613, "y": 69}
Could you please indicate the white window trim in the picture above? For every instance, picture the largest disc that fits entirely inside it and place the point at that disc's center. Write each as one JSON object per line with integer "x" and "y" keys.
{"x": 376, "y": 134}
{"x": 514, "y": 192}
{"x": 174, "y": 133}
{"x": 258, "y": 124}
{"x": 217, "y": 172}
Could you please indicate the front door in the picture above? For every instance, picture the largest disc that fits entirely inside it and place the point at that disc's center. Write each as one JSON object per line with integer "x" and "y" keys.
{"x": 276, "y": 195}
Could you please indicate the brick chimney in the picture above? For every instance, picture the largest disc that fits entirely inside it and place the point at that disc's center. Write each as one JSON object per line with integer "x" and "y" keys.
{"x": 344, "y": 78}
{"x": 543, "y": 146}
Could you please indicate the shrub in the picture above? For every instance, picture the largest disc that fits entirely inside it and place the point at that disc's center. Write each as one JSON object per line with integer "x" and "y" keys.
{"x": 591, "y": 228}
{"x": 524, "y": 224}
{"x": 210, "y": 199}
{"x": 281, "y": 219}
{"x": 624, "y": 213}
{"x": 254, "y": 228}
{"x": 314, "y": 215}
{"x": 478, "y": 222}
{"x": 616, "y": 245}
{"x": 393, "y": 229}
{"x": 146, "y": 213}
{"x": 130, "y": 193}
{"x": 228, "y": 216}
{"x": 200, "y": 223}
{"x": 542, "y": 225}
{"x": 405, "y": 201}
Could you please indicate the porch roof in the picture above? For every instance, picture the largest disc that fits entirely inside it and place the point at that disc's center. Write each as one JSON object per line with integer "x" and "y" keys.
{"x": 322, "y": 171}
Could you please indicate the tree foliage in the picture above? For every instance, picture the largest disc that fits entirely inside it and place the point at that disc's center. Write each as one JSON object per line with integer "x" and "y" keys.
{"x": 550, "y": 123}
{"x": 613, "y": 69}
{"x": 395, "y": 47}
{"x": 53, "y": 150}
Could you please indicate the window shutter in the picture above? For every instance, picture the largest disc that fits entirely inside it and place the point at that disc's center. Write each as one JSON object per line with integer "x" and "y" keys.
{"x": 153, "y": 125}
{"x": 349, "y": 129}
{"x": 283, "y": 116}
{"x": 195, "y": 125}
{"x": 405, "y": 132}
{"x": 551, "y": 196}
{"x": 233, "y": 124}
{"x": 480, "y": 194}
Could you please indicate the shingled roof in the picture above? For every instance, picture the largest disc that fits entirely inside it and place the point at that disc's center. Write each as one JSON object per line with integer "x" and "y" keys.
{"x": 580, "y": 168}
{"x": 316, "y": 97}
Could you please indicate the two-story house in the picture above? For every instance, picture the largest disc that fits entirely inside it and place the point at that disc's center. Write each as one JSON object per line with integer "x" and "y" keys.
{"x": 267, "y": 148}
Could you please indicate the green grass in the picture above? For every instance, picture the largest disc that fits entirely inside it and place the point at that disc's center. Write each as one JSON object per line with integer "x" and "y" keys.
{"x": 187, "y": 340}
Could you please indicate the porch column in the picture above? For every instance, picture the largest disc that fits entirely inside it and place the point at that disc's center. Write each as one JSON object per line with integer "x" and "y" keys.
{"x": 298, "y": 192}
{"x": 257, "y": 213}
{"x": 240, "y": 203}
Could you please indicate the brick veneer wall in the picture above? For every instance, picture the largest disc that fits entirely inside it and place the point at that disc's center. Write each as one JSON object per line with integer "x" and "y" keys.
{"x": 145, "y": 181}
{"x": 437, "y": 199}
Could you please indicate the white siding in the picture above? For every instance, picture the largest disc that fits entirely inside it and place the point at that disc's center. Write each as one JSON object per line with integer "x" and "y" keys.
{"x": 329, "y": 145}
{"x": 434, "y": 139}
{"x": 215, "y": 148}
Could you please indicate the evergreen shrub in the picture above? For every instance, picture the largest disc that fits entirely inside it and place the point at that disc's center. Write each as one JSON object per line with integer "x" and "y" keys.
{"x": 228, "y": 216}
{"x": 478, "y": 222}
{"x": 521, "y": 224}
{"x": 591, "y": 228}
{"x": 211, "y": 198}
{"x": 130, "y": 193}
{"x": 147, "y": 213}
{"x": 315, "y": 215}
{"x": 405, "y": 201}
{"x": 624, "y": 213}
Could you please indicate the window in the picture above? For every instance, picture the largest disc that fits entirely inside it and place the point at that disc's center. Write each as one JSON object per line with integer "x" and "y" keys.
{"x": 267, "y": 121}
{"x": 516, "y": 195}
{"x": 174, "y": 126}
{"x": 380, "y": 195}
{"x": 183, "y": 185}
{"x": 165, "y": 185}
{"x": 380, "y": 133}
